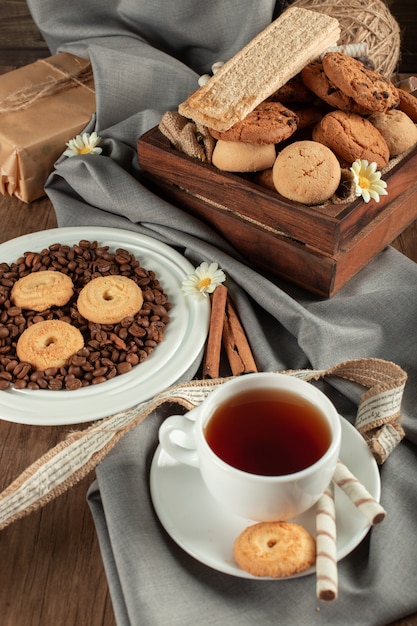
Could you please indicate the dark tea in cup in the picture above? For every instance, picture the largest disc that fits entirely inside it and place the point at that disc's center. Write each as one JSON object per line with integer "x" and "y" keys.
{"x": 268, "y": 432}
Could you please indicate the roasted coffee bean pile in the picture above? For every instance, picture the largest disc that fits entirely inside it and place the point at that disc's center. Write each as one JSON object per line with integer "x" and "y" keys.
{"x": 109, "y": 350}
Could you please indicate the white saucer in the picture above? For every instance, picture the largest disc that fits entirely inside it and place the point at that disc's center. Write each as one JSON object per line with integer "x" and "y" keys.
{"x": 184, "y": 337}
{"x": 192, "y": 518}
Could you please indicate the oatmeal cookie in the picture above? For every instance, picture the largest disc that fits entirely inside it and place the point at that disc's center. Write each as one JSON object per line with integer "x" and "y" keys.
{"x": 398, "y": 130}
{"x": 352, "y": 137}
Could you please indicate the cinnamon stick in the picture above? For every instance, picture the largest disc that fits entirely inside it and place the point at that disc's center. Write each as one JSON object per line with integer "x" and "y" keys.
{"x": 236, "y": 344}
{"x": 211, "y": 363}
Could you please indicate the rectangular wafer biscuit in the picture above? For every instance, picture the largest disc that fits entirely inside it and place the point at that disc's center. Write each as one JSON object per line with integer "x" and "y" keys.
{"x": 266, "y": 63}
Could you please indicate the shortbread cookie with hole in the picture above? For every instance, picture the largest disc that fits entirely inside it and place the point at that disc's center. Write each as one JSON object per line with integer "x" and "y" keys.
{"x": 275, "y": 549}
{"x": 49, "y": 343}
{"x": 109, "y": 299}
{"x": 39, "y": 291}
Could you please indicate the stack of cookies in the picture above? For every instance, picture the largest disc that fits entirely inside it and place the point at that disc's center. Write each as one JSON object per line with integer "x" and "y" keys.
{"x": 368, "y": 120}
{"x": 308, "y": 123}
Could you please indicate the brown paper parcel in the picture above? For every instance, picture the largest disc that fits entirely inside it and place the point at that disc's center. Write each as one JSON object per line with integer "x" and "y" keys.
{"x": 42, "y": 106}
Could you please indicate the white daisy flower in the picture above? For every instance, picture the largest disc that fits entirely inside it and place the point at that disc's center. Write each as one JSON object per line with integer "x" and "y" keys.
{"x": 367, "y": 180}
{"x": 83, "y": 144}
{"x": 204, "y": 281}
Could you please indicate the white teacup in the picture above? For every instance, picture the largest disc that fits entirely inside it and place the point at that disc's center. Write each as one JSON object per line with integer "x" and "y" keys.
{"x": 266, "y": 444}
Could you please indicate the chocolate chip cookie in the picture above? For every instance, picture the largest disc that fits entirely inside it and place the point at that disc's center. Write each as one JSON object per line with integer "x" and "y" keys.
{"x": 317, "y": 81}
{"x": 269, "y": 122}
{"x": 366, "y": 87}
{"x": 295, "y": 91}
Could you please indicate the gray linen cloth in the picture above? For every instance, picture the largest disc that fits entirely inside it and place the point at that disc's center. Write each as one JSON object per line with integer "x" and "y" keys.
{"x": 146, "y": 58}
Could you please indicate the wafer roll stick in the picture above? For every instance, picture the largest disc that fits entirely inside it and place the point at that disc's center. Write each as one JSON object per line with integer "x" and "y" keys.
{"x": 214, "y": 342}
{"x": 359, "y": 495}
{"x": 326, "y": 557}
{"x": 279, "y": 52}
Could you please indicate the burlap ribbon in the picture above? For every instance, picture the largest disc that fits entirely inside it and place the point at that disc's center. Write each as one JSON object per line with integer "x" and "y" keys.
{"x": 186, "y": 136}
{"x": 378, "y": 420}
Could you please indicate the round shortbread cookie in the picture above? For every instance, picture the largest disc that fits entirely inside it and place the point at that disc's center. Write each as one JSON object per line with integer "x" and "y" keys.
{"x": 49, "y": 344}
{"x": 307, "y": 172}
{"x": 269, "y": 122}
{"x": 108, "y": 299}
{"x": 275, "y": 549}
{"x": 237, "y": 156}
{"x": 352, "y": 137}
{"x": 398, "y": 130}
{"x": 316, "y": 80}
{"x": 40, "y": 290}
{"x": 367, "y": 87}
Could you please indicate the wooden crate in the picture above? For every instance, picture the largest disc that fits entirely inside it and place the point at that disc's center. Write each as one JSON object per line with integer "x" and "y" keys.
{"x": 318, "y": 248}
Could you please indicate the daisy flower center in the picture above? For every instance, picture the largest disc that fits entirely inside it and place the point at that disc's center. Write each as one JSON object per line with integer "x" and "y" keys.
{"x": 204, "y": 282}
{"x": 364, "y": 182}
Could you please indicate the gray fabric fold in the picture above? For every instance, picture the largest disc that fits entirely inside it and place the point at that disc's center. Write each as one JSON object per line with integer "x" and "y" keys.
{"x": 152, "y": 581}
{"x": 146, "y": 58}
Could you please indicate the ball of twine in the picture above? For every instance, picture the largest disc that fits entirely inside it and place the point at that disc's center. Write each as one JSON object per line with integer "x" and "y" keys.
{"x": 367, "y": 21}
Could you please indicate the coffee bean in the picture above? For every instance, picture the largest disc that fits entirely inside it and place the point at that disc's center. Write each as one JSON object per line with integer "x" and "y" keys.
{"x": 21, "y": 370}
{"x": 124, "y": 367}
{"x": 20, "y": 383}
{"x": 98, "y": 379}
{"x": 72, "y": 383}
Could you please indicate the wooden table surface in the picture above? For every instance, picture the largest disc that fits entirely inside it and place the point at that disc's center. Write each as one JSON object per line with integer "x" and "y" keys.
{"x": 51, "y": 572}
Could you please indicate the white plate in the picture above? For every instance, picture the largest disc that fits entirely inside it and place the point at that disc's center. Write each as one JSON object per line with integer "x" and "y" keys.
{"x": 184, "y": 338}
{"x": 192, "y": 518}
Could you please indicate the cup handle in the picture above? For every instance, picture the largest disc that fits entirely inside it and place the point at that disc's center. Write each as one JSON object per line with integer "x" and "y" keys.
{"x": 176, "y": 436}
